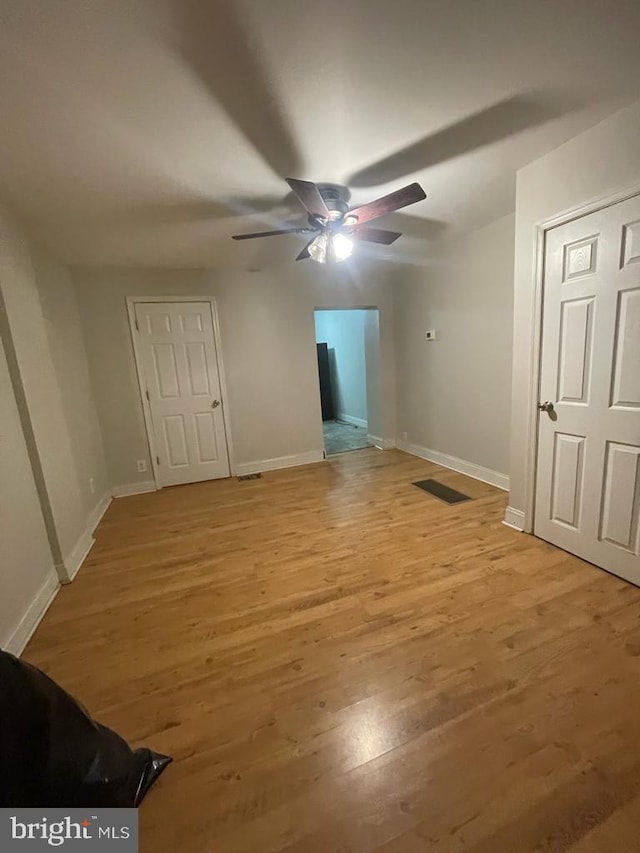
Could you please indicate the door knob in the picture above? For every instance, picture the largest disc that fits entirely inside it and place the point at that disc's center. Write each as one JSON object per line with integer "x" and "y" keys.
{"x": 215, "y": 404}
{"x": 545, "y": 407}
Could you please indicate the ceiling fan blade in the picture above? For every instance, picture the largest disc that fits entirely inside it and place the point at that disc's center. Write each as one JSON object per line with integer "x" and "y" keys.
{"x": 376, "y": 235}
{"x": 387, "y": 203}
{"x": 271, "y": 233}
{"x": 309, "y": 195}
{"x": 304, "y": 254}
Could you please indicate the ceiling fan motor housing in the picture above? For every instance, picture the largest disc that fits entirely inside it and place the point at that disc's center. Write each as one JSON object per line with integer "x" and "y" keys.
{"x": 336, "y": 197}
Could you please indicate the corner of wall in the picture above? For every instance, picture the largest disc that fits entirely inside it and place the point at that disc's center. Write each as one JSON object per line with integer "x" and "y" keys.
{"x": 20, "y": 635}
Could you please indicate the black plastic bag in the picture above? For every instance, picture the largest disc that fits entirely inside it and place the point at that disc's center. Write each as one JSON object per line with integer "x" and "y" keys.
{"x": 52, "y": 754}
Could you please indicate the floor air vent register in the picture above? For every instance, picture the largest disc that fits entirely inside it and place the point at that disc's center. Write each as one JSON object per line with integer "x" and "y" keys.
{"x": 439, "y": 490}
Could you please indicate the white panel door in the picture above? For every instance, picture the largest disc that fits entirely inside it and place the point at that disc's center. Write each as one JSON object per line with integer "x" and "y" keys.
{"x": 588, "y": 475}
{"x": 177, "y": 349}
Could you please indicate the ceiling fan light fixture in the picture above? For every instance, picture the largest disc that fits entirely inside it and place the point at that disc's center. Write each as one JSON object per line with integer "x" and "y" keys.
{"x": 330, "y": 247}
{"x": 342, "y": 247}
{"x": 318, "y": 249}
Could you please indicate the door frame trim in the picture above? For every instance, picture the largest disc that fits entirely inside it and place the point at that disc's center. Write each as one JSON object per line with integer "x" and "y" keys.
{"x": 539, "y": 238}
{"x": 132, "y": 301}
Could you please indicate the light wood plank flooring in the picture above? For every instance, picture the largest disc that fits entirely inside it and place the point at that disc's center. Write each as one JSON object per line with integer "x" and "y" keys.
{"x": 340, "y": 663}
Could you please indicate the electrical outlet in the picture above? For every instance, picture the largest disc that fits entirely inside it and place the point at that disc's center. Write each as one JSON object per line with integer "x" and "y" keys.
{"x": 142, "y": 466}
{"x": 92, "y": 485}
{"x": 404, "y": 436}
{"x": 430, "y": 335}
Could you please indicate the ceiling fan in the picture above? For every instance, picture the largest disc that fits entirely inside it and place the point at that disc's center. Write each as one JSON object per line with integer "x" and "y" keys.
{"x": 334, "y": 225}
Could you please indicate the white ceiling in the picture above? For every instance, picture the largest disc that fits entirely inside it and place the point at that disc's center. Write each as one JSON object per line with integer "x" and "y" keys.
{"x": 149, "y": 131}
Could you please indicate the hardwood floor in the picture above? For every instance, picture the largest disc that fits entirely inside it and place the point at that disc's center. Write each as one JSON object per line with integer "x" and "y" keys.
{"x": 340, "y": 663}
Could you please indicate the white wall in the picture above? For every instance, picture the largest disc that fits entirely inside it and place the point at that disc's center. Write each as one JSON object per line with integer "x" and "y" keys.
{"x": 268, "y": 349}
{"x": 66, "y": 344}
{"x": 27, "y": 575}
{"x": 343, "y": 332}
{"x": 599, "y": 162}
{"x": 454, "y": 392}
{"x": 48, "y": 368}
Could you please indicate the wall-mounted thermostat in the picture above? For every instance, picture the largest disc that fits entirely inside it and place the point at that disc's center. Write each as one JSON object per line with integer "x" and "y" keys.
{"x": 430, "y": 335}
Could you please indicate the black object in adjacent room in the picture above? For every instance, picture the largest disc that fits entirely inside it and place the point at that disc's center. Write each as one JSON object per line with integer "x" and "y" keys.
{"x": 439, "y": 490}
{"x": 326, "y": 390}
{"x": 52, "y": 754}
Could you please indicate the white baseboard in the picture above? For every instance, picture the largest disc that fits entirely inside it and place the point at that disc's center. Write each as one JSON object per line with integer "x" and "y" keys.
{"x": 95, "y": 517}
{"x": 350, "y": 419}
{"x": 478, "y": 472}
{"x": 514, "y": 518}
{"x": 133, "y": 489}
{"x": 18, "y": 638}
{"x": 280, "y": 462}
{"x": 70, "y": 566}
